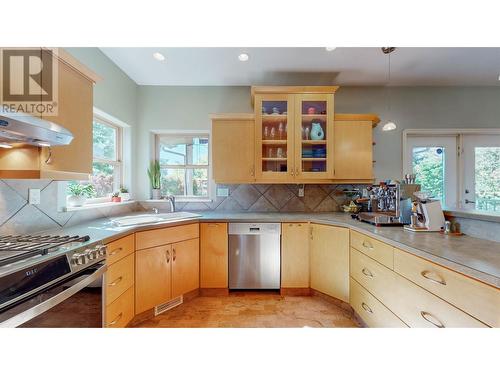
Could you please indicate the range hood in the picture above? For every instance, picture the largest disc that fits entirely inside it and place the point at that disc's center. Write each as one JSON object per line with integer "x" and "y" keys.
{"x": 22, "y": 128}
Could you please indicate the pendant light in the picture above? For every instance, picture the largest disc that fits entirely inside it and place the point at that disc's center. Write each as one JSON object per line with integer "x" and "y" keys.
{"x": 389, "y": 125}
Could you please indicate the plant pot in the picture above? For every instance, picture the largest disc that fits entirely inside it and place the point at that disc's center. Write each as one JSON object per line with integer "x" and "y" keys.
{"x": 76, "y": 201}
{"x": 125, "y": 196}
{"x": 116, "y": 199}
{"x": 156, "y": 194}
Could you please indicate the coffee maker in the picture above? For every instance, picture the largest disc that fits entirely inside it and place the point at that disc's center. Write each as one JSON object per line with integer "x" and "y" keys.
{"x": 427, "y": 215}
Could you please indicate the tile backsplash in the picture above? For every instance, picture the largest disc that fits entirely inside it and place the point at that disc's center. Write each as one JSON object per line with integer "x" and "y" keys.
{"x": 271, "y": 198}
{"x": 17, "y": 216}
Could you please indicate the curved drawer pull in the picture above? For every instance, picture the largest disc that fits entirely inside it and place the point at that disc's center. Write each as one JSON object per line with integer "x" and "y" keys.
{"x": 116, "y": 251}
{"x": 213, "y": 225}
{"x": 425, "y": 274}
{"x": 431, "y": 319}
{"x": 174, "y": 255}
{"x": 118, "y": 318}
{"x": 367, "y": 272}
{"x": 168, "y": 256}
{"x": 117, "y": 281}
{"x": 366, "y": 308}
{"x": 367, "y": 245}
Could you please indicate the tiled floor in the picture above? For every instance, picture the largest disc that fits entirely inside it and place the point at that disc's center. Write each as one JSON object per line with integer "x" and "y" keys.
{"x": 258, "y": 310}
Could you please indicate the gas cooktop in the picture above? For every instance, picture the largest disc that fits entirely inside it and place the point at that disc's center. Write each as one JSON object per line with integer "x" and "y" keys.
{"x": 16, "y": 248}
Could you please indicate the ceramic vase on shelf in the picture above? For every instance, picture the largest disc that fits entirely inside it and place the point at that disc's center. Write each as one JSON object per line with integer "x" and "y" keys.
{"x": 156, "y": 194}
{"x": 76, "y": 200}
{"x": 317, "y": 132}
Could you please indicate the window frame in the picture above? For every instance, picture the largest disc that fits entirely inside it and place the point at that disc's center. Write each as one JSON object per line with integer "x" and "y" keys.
{"x": 118, "y": 163}
{"x": 461, "y": 134}
{"x": 193, "y": 134}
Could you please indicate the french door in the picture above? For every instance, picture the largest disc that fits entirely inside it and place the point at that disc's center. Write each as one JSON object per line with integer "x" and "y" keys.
{"x": 481, "y": 160}
{"x": 433, "y": 159}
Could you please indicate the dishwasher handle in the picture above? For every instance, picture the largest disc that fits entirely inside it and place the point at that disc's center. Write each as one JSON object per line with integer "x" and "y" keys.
{"x": 254, "y": 228}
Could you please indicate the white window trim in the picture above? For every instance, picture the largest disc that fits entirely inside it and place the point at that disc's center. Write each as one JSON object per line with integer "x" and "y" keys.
{"x": 459, "y": 133}
{"x": 158, "y": 133}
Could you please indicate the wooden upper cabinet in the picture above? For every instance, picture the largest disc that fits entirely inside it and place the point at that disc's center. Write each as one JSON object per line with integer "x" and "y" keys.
{"x": 314, "y": 136}
{"x": 213, "y": 255}
{"x": 233, "y": 148}
{"x": 330, "y": 260}
{"x": 74, "y": 102}
{"x": 353, "y": 149}
{"x": 75, "y": 113}
{"x": 274, "y": 137}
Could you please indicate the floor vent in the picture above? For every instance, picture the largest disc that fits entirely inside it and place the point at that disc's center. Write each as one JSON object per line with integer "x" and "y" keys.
{"x": 168, "y": 305}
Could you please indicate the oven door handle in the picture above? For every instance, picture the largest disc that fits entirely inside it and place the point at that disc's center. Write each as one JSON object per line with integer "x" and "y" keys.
{"x": 39, "y": 309}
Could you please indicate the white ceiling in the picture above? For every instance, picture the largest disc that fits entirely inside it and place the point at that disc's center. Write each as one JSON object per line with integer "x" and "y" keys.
{"x": 309, "y": 66}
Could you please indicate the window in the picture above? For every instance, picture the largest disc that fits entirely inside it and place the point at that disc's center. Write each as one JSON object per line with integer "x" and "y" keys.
{"x": 461, "y": 169}
{"x": 107, "y": 165}
{"x": 184, "y": 165}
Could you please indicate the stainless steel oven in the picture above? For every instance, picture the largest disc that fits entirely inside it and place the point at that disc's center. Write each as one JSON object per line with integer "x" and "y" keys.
{"x": 74, "y": 302}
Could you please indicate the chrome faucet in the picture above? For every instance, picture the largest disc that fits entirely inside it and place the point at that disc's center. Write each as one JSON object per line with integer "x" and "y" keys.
{"x": 155, "y": 210}
{"x": 171, "y": 200}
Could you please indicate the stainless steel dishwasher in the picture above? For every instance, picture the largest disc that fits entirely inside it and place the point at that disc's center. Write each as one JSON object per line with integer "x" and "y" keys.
{"x": 254, "y": 255}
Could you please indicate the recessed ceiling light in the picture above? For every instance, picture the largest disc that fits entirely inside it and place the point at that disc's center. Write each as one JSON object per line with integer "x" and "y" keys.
{"x": 158, "y": 56}
{"x": 243, "y": 57}
{"x": 5, "y": 145}
{"x": 330, "y": 49}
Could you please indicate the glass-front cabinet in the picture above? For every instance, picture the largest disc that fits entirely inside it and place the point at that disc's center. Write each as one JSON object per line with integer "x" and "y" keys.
{"x": 313, "y": 136}
{"x": 274, "y": 135}
{"x": 294, "y": 136}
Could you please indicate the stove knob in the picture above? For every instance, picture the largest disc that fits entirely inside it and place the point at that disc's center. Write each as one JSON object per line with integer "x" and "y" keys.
{"x": 74, "y": 259}
{"x": 83, "y": 259}
{"x": 91, "y": 254}
{"x": 102, "y": 250}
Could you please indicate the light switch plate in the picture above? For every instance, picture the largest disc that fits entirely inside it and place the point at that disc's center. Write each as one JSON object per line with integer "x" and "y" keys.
{"x": 34, "y": 196}
{"x": 301, "y": 190}
{"x": 222, "y": 192}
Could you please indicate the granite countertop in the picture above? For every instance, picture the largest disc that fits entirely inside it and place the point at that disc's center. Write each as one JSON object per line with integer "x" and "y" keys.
{"x": 477, "y": 258}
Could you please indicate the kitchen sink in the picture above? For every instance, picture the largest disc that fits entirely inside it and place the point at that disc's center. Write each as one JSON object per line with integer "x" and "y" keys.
{"x": 152, "y": 218}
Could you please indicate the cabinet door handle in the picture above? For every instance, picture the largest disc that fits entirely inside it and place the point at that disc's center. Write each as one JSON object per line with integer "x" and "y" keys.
{"x": 367, "y": 245}
{"x": 367, "y": 272}
{"x": 366, "y": 308}
{"x": 311, "y": 232}
{"x": 291, "y": 172}
{"x": 117, "y": 281}
{"x": 431, "y": 319}
{"x": 297, "y": 171}
{"x": 168, "y": 256}
{"x": 116, "y": 251}
{"x": 117, "y": 319}
{"x": 174, "y": 256}
{"x": 425, "y": 274}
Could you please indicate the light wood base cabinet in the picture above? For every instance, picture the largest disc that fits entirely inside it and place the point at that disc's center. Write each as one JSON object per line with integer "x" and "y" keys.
{"x": 153, "y": 280}
{"x": 371, "y": 310}
{"x": 330, "y": 260}
{"x": 295, "y": 255}
{"x": 121, "y": 311}
{"x": 213, "y": 255}
{"x": 185, "y": 267}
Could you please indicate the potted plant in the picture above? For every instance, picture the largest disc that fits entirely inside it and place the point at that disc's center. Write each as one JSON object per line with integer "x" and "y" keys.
{"x": 79, "y": 194}
{"x": 124, "y": 194}
{"x": 116, "y": 197}
{"x": 154, "y": 178}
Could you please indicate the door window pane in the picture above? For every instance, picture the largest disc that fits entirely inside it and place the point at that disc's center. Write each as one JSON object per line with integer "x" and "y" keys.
{"x": 429, "y": 168}
{"x": 487, "y": 178}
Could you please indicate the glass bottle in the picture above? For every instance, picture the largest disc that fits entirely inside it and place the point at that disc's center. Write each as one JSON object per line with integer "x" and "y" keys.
{"x": 273, "y": 133}
{"x": 266, "y": 132}
{"x": 280, "y": 130}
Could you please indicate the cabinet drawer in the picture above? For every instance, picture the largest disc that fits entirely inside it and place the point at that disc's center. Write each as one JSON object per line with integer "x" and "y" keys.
{"x": 119, "y": 249}
{"x": 375, "y": 249}
{"x": 121, "y": 311}
{"x": 371, "y": 310}
{"x": 412, "y": 304}
{"x": 479, "y": 300}
{"x": 119, "y": 278}
{"x": 164, "y": 236}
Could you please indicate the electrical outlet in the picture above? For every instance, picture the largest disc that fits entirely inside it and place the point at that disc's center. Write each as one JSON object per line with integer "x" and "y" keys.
{"x": 34, "y": 196}
{"x": 222, "y": 192}
{"x": 301, "y": 190}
